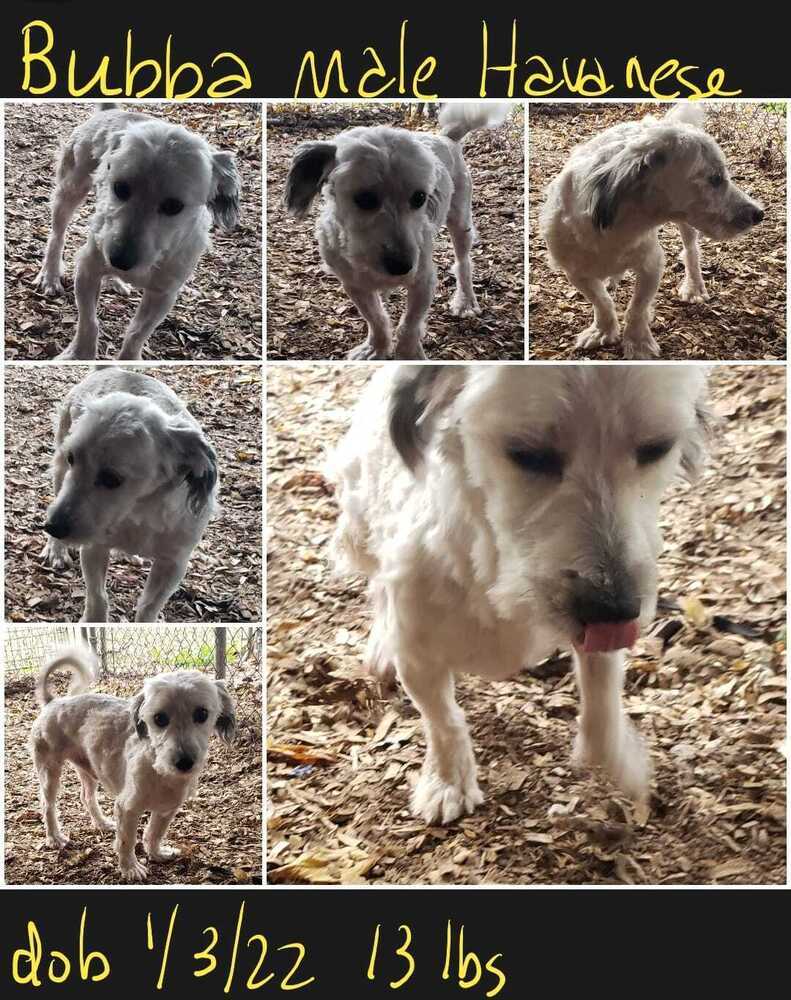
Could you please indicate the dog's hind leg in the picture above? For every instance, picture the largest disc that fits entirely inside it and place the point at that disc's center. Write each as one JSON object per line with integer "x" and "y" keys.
{"x": 376, "y": 347}
{"x": 693, "y": 287}
{"x": 604, "y": 330}
{"x": 153, "y": 308}
{"x": 163, "y": 580}
{"x": 72, "y": 188}
{"x": 49, "y": 768}
{"x": 606, "y": 737}
{"x": 448, "y": 784}
{"x": 95, "y": 560}
{"x": 638, "y": 343}
{"x": 412, "y": 328}
{"x": 155, "y": 831}
{"x": 464, "y": 301}
{"x": 88, "y": 796}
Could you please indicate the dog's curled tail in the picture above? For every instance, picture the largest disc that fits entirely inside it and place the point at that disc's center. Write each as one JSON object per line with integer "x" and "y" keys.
{"x": 79, "y": 661}
{"x": 458, "y": 120}
{"x": 688, "y": 112}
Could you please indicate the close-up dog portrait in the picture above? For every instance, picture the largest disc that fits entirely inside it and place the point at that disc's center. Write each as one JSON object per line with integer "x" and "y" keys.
{"x": 106, "y": 727}
{"x": 658, "y": 231}
{"x": 132, "y": 231}
{"x": 516, "y": 631}
{"x": 393, "y": 233}
{"x": 133, "y": 494}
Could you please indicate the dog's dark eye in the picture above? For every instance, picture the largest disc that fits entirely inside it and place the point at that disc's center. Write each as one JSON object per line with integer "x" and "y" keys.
{"x": 654, "y": 451}
{"x": 200, "y": 715}
{"x": 161, "y": 720}
{"x": 171, "y": 206}
{"x": 70, "y": 458}
{"x": 716, "y": 180}
{"x": 368, "y": 201}
{"x": 108, "y": 479}
{"x": 538, "y": 461}
{"x": 122, "y": 191}
{"x": 418, "y": 199}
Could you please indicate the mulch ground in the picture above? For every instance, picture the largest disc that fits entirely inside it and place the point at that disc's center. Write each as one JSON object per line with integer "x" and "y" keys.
{"x": 217, "y": 315}
{"x": 706, "y": 688}
{"x": 218, "y": 830}
{"x": 309, "y": 316}
{"x": 223, "y": 579}
{"x": 745, "y": 318}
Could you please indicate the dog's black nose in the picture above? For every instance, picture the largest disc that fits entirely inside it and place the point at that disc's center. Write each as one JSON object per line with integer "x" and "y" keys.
{"x": 594, "y": 605}
{"x": 123, "y": 257}
{"x": 396, "y": 264}
{"x": 185, "y": 762}
{"x": 57, "y": 526}
{"x": 758, "y": 216}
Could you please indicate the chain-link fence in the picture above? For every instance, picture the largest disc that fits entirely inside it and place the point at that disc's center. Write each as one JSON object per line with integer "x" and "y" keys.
{"x": 128, "y": 654}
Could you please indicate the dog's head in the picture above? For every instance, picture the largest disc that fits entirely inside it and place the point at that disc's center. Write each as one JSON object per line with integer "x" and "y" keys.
{"x": 563, "y": 469}
{"x": 385, "y": 189}
{"x": 177, "y": 714}
{"x": 121, "y": 451}
{"x": 675, "y": 172}
{"x": 154, "y": 186}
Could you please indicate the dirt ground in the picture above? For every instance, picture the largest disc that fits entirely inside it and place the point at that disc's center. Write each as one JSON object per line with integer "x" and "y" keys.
{"x": 706, "y": 688}
{"x": 217, "y": 315}
{"x": 745, "y": 318}
{"x": 223, "y": 579}
{"x": 309, "y": 316}
{"x": 218, "y": 829}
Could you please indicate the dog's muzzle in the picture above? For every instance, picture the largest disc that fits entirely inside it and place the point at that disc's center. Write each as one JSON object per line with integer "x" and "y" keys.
{"x": 396, "y": 264}
{"x": 57, "y": 525}
{"x": 123, "y": 256}
{"x": 608, "y": 616}
{"x": 749, "y": 217}
{"x": 184, "y": 762}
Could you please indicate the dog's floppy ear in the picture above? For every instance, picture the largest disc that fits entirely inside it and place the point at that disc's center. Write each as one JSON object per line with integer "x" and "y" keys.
{"x": 312, "y": 164}
{"x": 196, "y": 459}
{"x": 226, "y": 720}
{"x": 419, "y": 394}
{"x": 694, "y": 447}
{"x": 136, "y": 705}
{"x": 438, "y": 201}
{"x": 226, "y": 186}
{"x": 608, "y": 185}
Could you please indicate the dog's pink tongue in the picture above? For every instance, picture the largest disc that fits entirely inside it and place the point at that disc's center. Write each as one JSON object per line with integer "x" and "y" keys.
{"x": 608, "y": 636}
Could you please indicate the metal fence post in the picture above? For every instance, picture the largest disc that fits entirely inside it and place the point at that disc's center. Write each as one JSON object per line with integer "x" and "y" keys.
{"x": 220, "y": 657}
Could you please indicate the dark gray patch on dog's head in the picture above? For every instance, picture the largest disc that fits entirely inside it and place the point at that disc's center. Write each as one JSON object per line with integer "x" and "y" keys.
{"x": 418, "y": 393}
{"x": 312, "y": 164}
{"x": 613, "y": 182}
{"x": 226, "y": 720}
{"x": 136, "y": 705}
{"x": 225, "y": 190}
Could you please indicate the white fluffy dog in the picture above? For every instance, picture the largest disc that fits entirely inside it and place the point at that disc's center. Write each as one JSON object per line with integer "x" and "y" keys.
{"x": 133, "y": 471}
{"x": 147, "y": 752}
{"x": 603, "y": 212}
{"x": 387, "y": 192}
{"x": 501, "y": 512}
{"x": 158, "y": 188}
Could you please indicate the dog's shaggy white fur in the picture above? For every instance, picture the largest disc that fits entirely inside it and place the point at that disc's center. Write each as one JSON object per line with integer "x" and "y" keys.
{"x": 132, "y": 470}
{"x": 158, "y": 188}
{"x": 602, "y": 215}
{"x": 147, "y": 752}
{"x": 386, "y": 193}
{"x": 501, "y": 512}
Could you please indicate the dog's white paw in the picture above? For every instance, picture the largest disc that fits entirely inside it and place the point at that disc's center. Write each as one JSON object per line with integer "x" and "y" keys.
{"x": 56, "y": 555}
{"x": 117, "y": 285}
{"x": 463, "y": 305}
{"x": 690, "y": 291}
{"x": 437, "y": 801}
{"x": 163, "y": 853}
{"x": 73, "y": 353}
{"x": 368, "y": 352}
{"x": 134, "y": 871}
{"x": 593, "y": 337}
{"x": 624, "y": 758}
{"x": 410, "y": 351}
{"x": 48, "y": 284}
{"x": 103, "y": 824}
{"x": 640, "y": 345}
{"x": 57, "y": 840}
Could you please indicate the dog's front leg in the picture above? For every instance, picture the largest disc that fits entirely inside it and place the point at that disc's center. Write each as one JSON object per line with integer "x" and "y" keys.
{"x": 154, "y": 834}
{"x": 693, "y": 287}
{"x": 638, "y": 343}
{"x": 164, "y": 578}
{"x": 606, "y": 737}
{"x": 67, "y": 198}
{"x": 95, "y": 560}
{"x": 369, "y": 304}
{"x": 448, "y": 784}
{"x": 87, "y": 283}
{"x": 412, "y": 328}
{"x": 604, "y": 329}
{"x": 153, "y": 308}
{"x": 127, "y": 817}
